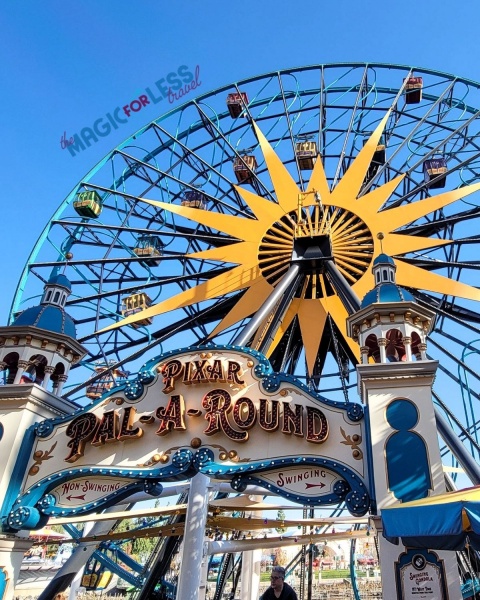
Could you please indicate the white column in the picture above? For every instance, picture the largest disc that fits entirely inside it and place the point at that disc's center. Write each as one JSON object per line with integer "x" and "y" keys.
{"x": 61, "y": 381}
{"x": 189, "y": 580}
{"x": 21, "y": 366}
{"x": 76, "y": 583}
{"x": 251, "y": 574}
{"x": 251, "y": 565}
{"x": 364, "y": 355}
{"x": 382, "y": 343}
{"x": 11, "y": 556}
{"x": 407, "y": 341}
{"x": 423, "y": 351}
{"x": 48, "y": 373}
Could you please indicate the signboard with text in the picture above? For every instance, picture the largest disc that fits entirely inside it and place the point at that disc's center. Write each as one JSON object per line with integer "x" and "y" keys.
{"x": 217, "y": 410}
{"x": 420, "y": 574}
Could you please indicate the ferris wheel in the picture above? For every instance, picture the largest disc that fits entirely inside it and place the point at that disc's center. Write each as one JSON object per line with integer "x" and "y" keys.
{"x": 183, "y": 232}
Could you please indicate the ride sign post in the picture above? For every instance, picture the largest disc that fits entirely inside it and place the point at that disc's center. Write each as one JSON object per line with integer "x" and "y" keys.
{"x": 220, "y": 411}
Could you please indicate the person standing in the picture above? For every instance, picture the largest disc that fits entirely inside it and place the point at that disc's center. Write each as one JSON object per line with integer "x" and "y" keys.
{"x": 278, "y": 588}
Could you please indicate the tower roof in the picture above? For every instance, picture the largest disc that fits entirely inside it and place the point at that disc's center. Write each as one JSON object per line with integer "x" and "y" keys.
{"x": 386, "y": 290}
{"x": 50, "y": 313}
{"x": 383, "y": 259}
{"x": 61, "y": 280}
{"x": 51, "y": 318}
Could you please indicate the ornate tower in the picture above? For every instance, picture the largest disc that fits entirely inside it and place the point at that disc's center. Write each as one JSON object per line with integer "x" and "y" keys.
{"x": 36, "y": 353}
{"x": 395, "y": 380}
{"x": 40, "y": 346}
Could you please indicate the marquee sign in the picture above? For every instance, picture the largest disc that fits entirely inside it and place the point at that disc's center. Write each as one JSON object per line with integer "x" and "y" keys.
{"x": 217, "y": 410}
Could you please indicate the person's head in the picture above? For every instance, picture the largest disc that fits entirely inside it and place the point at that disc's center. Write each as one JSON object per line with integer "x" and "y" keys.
{"x": 277, "y": 577}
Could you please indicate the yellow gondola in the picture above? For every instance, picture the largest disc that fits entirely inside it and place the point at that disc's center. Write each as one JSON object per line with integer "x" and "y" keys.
{"x": 134, "y": 304}
{"x": 96, "y": 576}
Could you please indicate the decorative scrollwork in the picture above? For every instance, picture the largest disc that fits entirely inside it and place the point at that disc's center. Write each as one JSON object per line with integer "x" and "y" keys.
{"x": 357, "y": 502}
{"x": 147, "y": 376}
{"x": 272, "y": 382}
{"x": 182, "y": 458}
{"x": 39, "y": 457}
{"x": 355, "y": 412}
{"x": 203, "y": 457}
{"x": 46, "y": 502}
{"x": 152, "y": 487}
{"x": 24, "y": 517}
{"x": 238, "y": 484}
{"x": 341, "y": 488}
{"x": 262, "y": 369}
{"x": 134, "y": 389}
{"x": 44, "y": 428}
{"x": 353, "y": 441}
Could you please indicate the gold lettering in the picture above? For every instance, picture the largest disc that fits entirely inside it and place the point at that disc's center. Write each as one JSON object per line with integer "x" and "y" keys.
{"x": 200, "y": 376}
{"x": 171, "y": 372}
{"x": 273, "y": 422}
{"x": 218, "y": 403}
{"x": 317, "y": 426}
{"x": 215, "y": 372}
{"x": 81, "y": 429}
{"x": 126, "y": 430}
{"x": 292, "y": 418}
{"x": 187, "y": 378}
{"x": 107, "y": 430}
{"x": 173, "y": 416}
{"x": 232, "y": 375}
{"x": 244, "y": 413}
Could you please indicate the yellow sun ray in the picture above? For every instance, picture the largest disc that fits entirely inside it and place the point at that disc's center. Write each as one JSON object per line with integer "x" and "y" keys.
{"x": 351, "y": 183}
{"x": 261, "y": 247}
{"x": 311, "y": 317}
{"x": 234, "y": 280}
{"x": 225, "y": 223}
{"x": 284, "y": 325}
{"x": 415, "y": 277}
{"x": 264, "y": 210}
{"x": 407, "y": 214}
{"x": 285, "y": 187}
{"x": 396, "y": 243}
{"x": 334, "y": 307}
{"x": 248, "y": 304}
{"x": 371, "y": 203}
{"x": 318, "y": 182}
{"x": 240, "y": 253}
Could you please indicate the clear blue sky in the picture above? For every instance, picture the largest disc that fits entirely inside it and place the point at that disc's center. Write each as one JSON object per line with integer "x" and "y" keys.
{"x": 65, "y": 64}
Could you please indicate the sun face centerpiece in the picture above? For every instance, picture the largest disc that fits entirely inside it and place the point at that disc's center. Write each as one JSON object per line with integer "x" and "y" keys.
{"x": 338, "y": 232}
{"x": 354, "y": 228}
